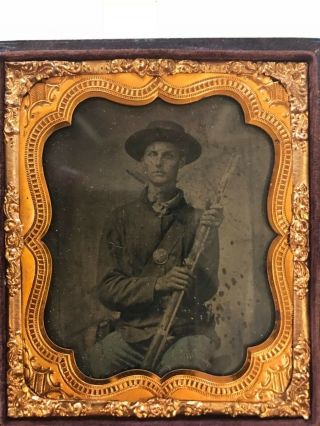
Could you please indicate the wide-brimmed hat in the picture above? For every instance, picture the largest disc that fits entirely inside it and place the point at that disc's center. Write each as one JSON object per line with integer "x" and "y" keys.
{"x": 163, "y": 131}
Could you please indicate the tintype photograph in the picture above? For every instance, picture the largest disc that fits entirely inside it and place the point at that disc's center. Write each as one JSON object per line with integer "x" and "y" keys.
{"x": 159, "y": 237}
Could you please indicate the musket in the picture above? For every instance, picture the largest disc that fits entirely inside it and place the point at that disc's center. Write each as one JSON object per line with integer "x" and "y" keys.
{"x": 159, "y": 340}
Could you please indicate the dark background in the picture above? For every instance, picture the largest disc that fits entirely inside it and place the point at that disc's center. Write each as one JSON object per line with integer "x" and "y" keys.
{"x": 86, "y": 172}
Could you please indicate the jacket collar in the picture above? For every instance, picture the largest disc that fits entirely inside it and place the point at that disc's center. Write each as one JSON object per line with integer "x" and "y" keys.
{"x": 173, "y": 206}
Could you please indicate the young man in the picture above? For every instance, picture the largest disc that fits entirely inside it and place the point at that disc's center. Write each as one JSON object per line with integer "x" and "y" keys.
{"x": 141, "y": 262}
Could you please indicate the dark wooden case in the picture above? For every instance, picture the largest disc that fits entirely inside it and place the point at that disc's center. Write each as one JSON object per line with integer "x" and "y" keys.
{"x": 273, "y": 49}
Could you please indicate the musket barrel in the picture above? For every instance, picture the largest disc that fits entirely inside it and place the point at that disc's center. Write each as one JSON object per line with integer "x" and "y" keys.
{"x": 160, "y": 338}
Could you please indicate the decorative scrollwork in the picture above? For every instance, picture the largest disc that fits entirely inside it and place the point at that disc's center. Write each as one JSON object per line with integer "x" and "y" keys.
{"x": 300, "y": 126}
{"x": 13, "y": 239}
{"x": 21, "y": 76}
{"x": 300, "y": 123}
{"x": 40, "y": 380}
{"x": 22, "y": 400}
{"x": 299, "y": 239}
{"x": 155, "y": 407}
{"x": 295, "y": 401}
{"x": 17, "y": 391}
{"x": 294, "y": 78}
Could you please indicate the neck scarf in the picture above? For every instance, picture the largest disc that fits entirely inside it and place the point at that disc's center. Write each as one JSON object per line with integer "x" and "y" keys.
{"x": 163, "y": 207}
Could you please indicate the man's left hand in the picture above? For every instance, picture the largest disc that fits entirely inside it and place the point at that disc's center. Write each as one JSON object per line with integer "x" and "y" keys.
{"x": 212, "y": 217}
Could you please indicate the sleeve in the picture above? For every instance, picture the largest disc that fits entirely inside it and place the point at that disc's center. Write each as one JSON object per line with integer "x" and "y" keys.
{"x": 206, "y": 273}
{"x": 117, "y": 288}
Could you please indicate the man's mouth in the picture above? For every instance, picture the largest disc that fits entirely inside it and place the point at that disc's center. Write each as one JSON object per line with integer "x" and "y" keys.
{"x": 158, "y": 173}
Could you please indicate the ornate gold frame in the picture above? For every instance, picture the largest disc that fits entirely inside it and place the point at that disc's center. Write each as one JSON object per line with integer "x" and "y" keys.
{"x": 43, "y": 379}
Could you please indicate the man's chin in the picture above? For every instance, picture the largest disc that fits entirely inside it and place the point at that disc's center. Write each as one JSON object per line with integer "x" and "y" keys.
{"x": 159, "y": 181}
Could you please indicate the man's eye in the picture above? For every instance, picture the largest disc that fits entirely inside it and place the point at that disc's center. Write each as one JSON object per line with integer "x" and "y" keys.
{"x": 169, "y": 156}
{"x": 152, "y": 154}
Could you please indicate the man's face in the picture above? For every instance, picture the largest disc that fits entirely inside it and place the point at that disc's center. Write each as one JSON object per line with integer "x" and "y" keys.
{"x": 162, "y": 161}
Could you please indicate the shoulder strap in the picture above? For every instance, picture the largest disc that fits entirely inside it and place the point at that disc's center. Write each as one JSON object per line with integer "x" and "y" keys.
{"x": 167, "y": 243}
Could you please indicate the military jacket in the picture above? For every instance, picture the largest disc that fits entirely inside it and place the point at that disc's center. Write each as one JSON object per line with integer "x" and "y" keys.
{"x": 127, "y": 272}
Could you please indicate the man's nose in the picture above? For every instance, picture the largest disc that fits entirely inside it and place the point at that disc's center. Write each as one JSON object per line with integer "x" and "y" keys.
{"x": 158, "y": 160}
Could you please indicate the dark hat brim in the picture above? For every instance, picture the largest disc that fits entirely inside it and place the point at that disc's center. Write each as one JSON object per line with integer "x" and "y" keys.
{"x": 137, "y": 143}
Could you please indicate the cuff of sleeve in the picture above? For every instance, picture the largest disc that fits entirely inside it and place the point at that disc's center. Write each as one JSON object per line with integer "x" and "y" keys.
{"x": 149, "y": 289}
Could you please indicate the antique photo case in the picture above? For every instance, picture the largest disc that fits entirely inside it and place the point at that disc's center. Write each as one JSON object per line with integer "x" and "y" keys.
{"x": 157, "y": 234}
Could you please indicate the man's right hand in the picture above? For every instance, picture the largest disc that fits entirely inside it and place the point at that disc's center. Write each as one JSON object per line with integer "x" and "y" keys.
{"x": 178, "y": 278}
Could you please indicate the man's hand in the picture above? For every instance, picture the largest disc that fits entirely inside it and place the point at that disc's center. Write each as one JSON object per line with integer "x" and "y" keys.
{"x": 178, "y": 278}
{"x": 212, "y": 217}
